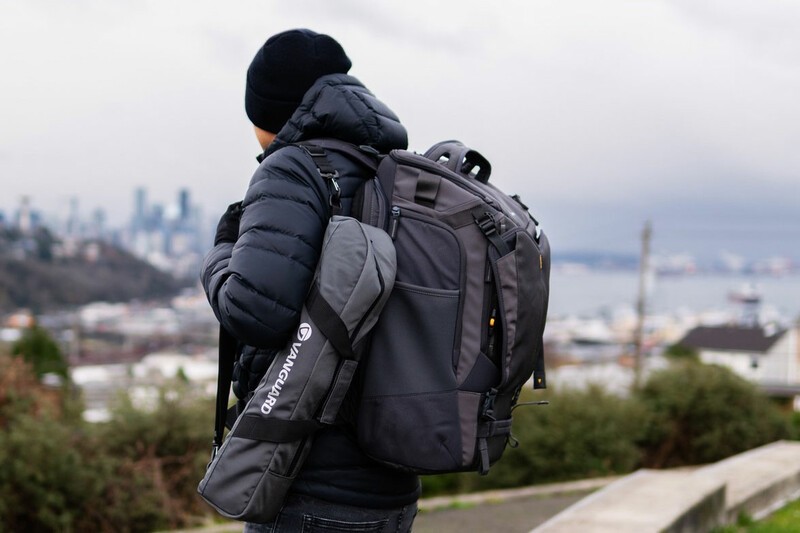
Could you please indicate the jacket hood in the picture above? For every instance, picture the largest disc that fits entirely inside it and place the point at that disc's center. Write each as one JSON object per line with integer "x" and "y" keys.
{"x": 338, "y": 106}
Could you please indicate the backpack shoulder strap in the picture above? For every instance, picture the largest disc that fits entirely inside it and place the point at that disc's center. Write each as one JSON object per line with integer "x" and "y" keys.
{"x": 365, "y": 155}
{"x": 328, "y": 173}
{"x": 369, "y": 203}
{"x": 318, "y": 149}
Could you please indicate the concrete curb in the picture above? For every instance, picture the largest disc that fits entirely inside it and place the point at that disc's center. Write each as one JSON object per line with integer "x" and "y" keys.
{"x": 647, "y": 500}
{"x": 756, "y": 482}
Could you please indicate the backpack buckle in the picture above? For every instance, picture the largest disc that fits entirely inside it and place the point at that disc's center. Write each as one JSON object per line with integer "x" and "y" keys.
{"x": 328, "y": 173}
{"x": 335, "y": 196}
{"x": 214, "y": 451}
{"x": 487, "y": 224}
{"x": 487, "y": 411}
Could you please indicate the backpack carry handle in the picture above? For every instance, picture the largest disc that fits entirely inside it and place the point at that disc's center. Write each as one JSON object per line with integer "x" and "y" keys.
{"x": 461, "y": 159}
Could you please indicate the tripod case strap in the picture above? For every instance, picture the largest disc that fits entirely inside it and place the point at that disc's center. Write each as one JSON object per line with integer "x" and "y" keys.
{"x": 227, "y": 358}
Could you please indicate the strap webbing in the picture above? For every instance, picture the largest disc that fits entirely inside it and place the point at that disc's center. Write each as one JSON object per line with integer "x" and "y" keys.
{"x": 274, "y": 429}
{"x": 487, "y": 225}
{"x": 227, "y": 358}
{"x": 427, "y": 189}
{"x": 320, "y": 159}
{"x": 483, "y": 450}
{"x": 493, "y": 428}
{"x": 329, "y": 174}
{"x": 486, "y": 429}
{"x": 329, "y": 323}
{"x": 365, "y": 155}
{"x": 539, "y": 377}
{"x": 341, "y": 384}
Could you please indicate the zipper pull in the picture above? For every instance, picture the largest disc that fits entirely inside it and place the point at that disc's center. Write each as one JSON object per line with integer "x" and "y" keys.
{"x": 395, "y": 222}
{"x": 491, "y": 335}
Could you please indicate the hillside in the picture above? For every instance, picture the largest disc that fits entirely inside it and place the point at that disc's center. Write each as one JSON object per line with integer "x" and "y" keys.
{"x": 40, "y": 273}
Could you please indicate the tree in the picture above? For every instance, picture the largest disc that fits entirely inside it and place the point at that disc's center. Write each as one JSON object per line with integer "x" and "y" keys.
{"x": 136, "y": 473}
{"x": 679, "y": 351}
{"x": 703, "y": 413}
{"x": 39, "y": 349}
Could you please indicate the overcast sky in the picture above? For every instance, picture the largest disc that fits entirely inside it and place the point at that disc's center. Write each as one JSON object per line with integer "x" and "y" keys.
{"x": 600, "y": 114}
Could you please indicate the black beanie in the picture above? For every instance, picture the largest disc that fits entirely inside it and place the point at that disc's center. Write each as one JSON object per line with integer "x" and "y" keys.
{"x": 284, "y": 69}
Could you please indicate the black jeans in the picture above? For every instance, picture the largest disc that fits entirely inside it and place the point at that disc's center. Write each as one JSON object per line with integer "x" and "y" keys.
{"x": 304, "y": 514}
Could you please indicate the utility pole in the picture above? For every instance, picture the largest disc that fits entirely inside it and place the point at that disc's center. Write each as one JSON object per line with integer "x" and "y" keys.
{"x": 644, "y": 266}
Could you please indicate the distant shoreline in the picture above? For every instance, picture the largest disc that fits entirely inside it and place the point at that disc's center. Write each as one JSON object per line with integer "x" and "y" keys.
{"x": 595, "y": 291}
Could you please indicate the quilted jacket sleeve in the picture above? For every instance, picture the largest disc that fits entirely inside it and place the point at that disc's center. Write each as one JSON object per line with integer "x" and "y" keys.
{"x": 257, "y": 286}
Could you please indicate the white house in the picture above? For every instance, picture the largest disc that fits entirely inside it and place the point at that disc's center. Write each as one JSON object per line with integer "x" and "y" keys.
{"x": 767, "y": 355}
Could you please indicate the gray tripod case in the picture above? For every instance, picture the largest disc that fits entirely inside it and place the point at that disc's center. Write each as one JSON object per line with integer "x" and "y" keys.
{"x": 307, "y": 381}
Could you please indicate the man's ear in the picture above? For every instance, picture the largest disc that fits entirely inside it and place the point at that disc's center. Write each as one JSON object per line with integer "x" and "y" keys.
{"x": 264, "y": 137}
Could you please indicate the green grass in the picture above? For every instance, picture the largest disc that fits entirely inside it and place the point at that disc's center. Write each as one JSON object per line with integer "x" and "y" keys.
{"x": 786, "y": 520}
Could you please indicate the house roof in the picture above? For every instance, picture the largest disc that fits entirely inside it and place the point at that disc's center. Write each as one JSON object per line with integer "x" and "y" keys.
{"x": 731, "y": 338}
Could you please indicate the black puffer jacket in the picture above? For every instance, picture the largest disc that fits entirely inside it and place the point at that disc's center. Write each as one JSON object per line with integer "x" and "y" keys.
{"x": 257, "y": 286}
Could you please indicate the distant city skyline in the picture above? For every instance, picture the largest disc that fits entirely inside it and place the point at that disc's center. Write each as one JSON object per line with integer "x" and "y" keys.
{"x": 118, "y": 216}
{"x": 173, "y": 237}
{"x": 677, "y": 246}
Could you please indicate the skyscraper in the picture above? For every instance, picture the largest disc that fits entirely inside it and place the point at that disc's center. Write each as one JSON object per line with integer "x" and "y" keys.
{"x": 140, "y": 209}
{"x": 183, "y": 204}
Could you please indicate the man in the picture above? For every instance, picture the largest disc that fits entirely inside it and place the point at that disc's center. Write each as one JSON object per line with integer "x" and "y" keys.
{"x": 266, "y": 249}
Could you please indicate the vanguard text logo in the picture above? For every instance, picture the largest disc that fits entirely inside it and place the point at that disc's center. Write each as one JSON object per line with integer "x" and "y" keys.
{"x": 303, "y": 334}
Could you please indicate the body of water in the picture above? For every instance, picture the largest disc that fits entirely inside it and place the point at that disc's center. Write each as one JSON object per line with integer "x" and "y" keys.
{"x": 591, "y": 292}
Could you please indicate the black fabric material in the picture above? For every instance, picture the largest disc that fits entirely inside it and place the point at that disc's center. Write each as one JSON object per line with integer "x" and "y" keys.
{"x": 343, "y": 480}
{"x": 257, "y": 285}
{"x": 284, "y": 69}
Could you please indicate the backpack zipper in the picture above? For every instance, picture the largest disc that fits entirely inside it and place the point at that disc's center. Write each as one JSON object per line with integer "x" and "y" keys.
{"x": 504, "y": 340}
